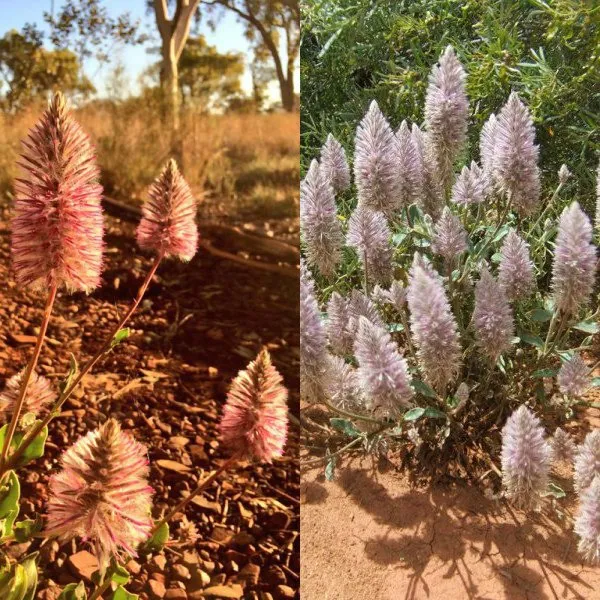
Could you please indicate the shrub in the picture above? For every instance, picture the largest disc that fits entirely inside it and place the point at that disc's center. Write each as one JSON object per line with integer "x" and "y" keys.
{"x": 474, "y": 293}
{"x": 354, "y": 51}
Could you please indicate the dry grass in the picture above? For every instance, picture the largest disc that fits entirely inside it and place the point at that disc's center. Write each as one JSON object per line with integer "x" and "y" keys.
{"x": 246, "y": 161}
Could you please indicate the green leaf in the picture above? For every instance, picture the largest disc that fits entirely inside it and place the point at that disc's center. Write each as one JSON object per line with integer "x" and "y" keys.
{"x": 532, "y": 340}
{"x": 10, "y": 493}
{"x": 595, "y": 381}
{"x": 545, "y": 373}
{"x": 122, "y": 594}
{"x": 413, "y": 414}
{"x": 555, "y": 491}
{"x": 120, "y": 336}
{"x": 587, "y": 327}
{"x": 434, "y": 413}
{"x": 73, "y": 369}
{"x": 422, "y": 388}
{"x": 14, "y": 586}
{"x": 345, "y": 426}
{"x": 25, "y": 530}
{"x": 540, "y": 315}
{"x": 73, "y": 591}
{"x": 159, "y": 539}
{"x": 395, "y": 327}
{"x": 501, "y": 233}
{"x": 31, "y": 575}
{"x": 34, "y": 450}
{"x": 330, "y": 467}
{"x": 120, "y": 575}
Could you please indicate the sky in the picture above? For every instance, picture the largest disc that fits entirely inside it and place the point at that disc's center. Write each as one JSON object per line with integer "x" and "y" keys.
{"x": 228, "y": 36}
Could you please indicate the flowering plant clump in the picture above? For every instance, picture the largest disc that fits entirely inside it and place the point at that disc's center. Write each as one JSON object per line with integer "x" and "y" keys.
{"x": 463, "y": 301}
{"x": 101, "y": 493}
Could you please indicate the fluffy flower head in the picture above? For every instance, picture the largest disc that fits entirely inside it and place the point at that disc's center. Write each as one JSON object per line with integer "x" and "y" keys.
{"x": 321, "y": 229}
{"x": 574, "y": 377}
{"x": 375, "y": 162}
{"x": 526, "y": 458}
{"x": 254, "y": 421}
{"x": 516, "y": 155}
{"x": 450, "y": 238}
{"x": 433, "y": 326}
{"x": 574, "y": 266}
{"x": 39, "y": 394}
{"x": 334, "y": 164}
{"x": 587, "y": 523}
{"x": 57, "y": 226}
{"x": 409, "y": 167}
{"x": 382, "y": 371}
{"x": 369, "y": 233}
{"x": 587, "y": 461}
{"x": 470, "y": 186}
{"x": 168, "y": 224}
{"x": 102, "y": 493}
{"x": 515, "y": 273}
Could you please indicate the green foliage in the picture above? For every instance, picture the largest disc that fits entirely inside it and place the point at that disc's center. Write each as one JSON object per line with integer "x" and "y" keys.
{"x": 19, "y": 581}
{"x": 73, "y": 591}
{"x": 354, "y": 51}
{"x": 29, "y": 71}
{"x": 157, "y": 542}
{"x": 10, "y": 493}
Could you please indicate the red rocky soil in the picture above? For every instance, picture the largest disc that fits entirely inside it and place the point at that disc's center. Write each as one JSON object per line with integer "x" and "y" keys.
{"x": 198, "y": 325}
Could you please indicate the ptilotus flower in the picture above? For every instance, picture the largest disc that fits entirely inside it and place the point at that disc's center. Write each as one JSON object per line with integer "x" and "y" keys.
{"x": 516, "y": 155}
{"x": 515, "y": 273}
{"x": 492, "y": 317}
{"x": 321, "y": 229}
{"x": 487, "y": 146}
{"x": 342, "y": 384}
{"x": 369, "y": 234}
{"x": 102, "y": 493}
{"x": 313, "y": 353}
{"x": 339, "y": 336}
{"x": 39, "y": 394}
{"x": 376, "y": 162}
{"x": 587, "y": 461}
{"x": 409, "y": 167}
{"x": 431, "y": 198}
{"x": 57, "y": 225}
{"x": 396, "y": 295}
{"x": 446, "y": 113}
{"x": 168, "y": 224}
{"x": 574, "y": 266}
{"x": 470, "y": 186}
{"x": 563, "y": 446}
{"x": 334, "y": 165}
{"x": 382, "y": 371}
{"x": 564, "y": 174}
{"x": 526, "y": 457}
{"x": 587, "y": 523}
{"x": 598, "y": 198}
{"x": 449, "y": 237}
{"x": 361, "y": 306}
{"x": 574, "y": 377}
{"x": 254, "y": 422}
{"x": 433, "y": 326}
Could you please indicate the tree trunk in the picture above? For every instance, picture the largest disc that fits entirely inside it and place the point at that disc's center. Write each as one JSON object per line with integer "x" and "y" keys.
{"x": 171, "y": 83}
{"x": 287, "y": 93}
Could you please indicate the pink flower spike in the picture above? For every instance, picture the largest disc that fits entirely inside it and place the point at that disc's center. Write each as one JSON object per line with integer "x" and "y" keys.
{"x": 102, "y": 493}
{"x": 168, "y": 223}
{"x": 57, "y": 225}
{"x": 254, "y": 421}
{"x": 39, "y": 394}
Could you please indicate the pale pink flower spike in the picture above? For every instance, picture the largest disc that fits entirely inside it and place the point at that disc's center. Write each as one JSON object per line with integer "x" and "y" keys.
{"x": 102, "y": 493}
{"x": 168, "y": 224}
{"x": 39, "y": 394}
{"x": 57, "y": 225}
{"x": 254, "y": 421}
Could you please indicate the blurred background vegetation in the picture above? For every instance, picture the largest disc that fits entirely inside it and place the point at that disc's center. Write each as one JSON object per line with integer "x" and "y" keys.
{"x": 357, "y": 50}
{"x": 228, "y": 116}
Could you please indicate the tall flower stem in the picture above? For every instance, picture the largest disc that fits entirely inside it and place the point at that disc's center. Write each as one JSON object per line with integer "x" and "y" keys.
{"x": 85, "y": 370}
{"x": 546, "y": 209}
{"x": 201, "y": 486}
{"x": 27, "y": 376}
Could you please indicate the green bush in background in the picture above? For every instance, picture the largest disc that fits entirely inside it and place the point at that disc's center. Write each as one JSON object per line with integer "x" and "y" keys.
{"x": 354, "y": 51}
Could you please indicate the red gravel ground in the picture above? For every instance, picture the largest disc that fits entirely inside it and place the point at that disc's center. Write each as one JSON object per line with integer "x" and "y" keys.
{"x": 199, "y": 324}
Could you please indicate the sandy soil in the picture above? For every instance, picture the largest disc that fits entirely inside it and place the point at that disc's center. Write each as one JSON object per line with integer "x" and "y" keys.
{"x": 370, "y": 534}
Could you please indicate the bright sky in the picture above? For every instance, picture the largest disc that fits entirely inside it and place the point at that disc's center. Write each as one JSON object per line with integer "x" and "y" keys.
{"x": 228, "y": 36}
